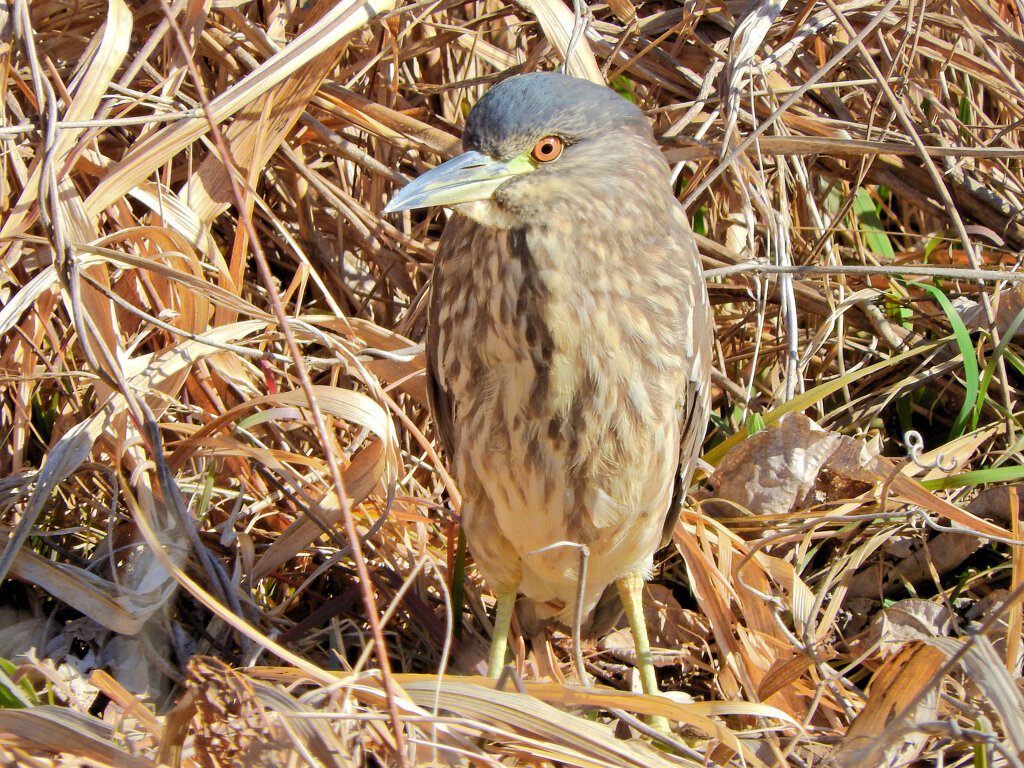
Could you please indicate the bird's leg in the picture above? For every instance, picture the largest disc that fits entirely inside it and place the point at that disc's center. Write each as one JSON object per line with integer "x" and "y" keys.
{"x": 631, "y": 588}
{"x": 502, "y": 621}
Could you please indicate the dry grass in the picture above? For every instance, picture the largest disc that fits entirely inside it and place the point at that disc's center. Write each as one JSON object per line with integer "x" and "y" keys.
{"x": 211, "y": 387}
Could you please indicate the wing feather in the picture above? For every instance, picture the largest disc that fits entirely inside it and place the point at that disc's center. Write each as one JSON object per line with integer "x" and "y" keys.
{"x": 439, "y": 396}
{"x": 695, "y": 403}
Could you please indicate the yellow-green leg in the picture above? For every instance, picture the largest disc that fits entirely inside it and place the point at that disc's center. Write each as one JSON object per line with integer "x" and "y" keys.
{"x": 631, "y": 588}
{"x": 502, "y": 622}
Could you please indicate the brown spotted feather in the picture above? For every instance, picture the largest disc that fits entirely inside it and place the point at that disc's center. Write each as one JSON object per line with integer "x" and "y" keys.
{"x": 569, "y": 386}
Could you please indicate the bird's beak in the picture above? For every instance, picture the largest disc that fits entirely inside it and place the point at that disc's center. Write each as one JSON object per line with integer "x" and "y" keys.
{"x": 467, "y": 178}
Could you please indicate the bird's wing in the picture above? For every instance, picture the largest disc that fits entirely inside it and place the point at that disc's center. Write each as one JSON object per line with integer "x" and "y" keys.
{"x": 695, "y": 402}
{"x": 442, "y": 406}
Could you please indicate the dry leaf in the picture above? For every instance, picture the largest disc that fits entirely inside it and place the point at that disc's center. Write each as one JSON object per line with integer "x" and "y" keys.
{"x": 792, "y": 465}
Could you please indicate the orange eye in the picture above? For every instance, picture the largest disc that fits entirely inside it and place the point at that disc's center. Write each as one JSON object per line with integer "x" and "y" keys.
{"x": 547, "y": 149}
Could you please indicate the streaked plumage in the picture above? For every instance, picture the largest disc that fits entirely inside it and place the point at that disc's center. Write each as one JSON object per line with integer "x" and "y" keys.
{"x": 569, "y": 342}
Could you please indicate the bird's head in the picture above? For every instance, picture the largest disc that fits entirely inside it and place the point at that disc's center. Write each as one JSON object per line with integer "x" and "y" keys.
{"x": 540, "y": 146}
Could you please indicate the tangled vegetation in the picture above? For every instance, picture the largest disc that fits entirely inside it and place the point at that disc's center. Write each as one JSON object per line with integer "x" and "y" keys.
{"x": 230, "y": 536}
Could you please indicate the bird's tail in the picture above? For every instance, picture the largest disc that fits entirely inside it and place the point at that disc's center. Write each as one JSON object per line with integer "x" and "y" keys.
{"x": 535, "y": 617}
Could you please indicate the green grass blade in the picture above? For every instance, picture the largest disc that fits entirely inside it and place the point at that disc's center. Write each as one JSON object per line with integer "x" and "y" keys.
{"x": 971, "y": 373}
{"x": 875, "y": 237}
{"x": 990, "y": 367}
{"x": 1004, "y": 474}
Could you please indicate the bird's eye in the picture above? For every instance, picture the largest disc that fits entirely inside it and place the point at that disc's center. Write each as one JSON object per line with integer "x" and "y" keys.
{"x": 547, "y": 149}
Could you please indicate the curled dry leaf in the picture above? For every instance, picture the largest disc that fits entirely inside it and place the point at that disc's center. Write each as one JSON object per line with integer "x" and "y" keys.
{"x": 906, "y": 621}
{"x": 1007, "y": 306}
{"x": 792, "y": 465}
{"x": 899, "y": 681}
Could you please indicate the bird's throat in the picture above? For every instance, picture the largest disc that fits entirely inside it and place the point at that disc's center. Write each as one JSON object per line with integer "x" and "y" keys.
{"x": 490, "y": 214}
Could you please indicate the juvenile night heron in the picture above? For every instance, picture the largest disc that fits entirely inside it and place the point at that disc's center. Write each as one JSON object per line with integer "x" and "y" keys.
{"x": 568, "y": 345}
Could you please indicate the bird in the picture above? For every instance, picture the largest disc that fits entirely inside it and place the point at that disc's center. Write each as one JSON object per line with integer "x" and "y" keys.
{"x": 568, "y": 345}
